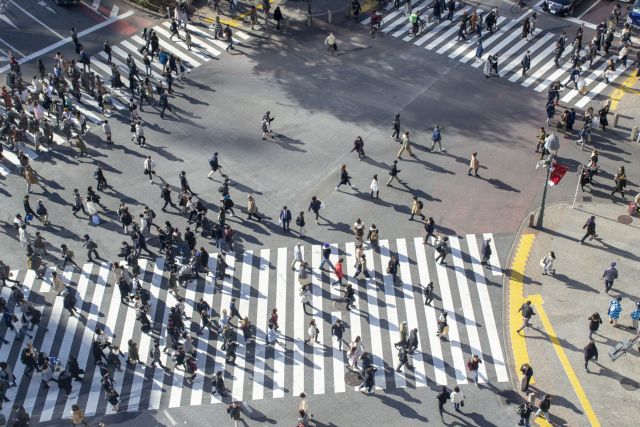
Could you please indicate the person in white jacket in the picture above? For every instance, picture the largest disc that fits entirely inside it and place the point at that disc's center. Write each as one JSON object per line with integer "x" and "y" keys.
{"x": 547, "y": 264}
{"x": 374, "y": 187}
{"x": 457, "y": 398}
{"x": 149, "y": 166}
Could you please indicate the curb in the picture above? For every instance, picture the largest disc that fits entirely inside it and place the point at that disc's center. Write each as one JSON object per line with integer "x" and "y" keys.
{"x": 144, "y": 9}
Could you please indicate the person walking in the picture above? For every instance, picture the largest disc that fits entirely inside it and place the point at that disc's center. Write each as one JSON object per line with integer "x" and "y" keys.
{"x": 486, "y": 252}
{"x": 427, "y": 291}
{"x": 620, "y": 181}
{"x": 527, "y": 313}
{"x": 436, "y": 137}
{"x": 326, "y": 253}
{"x": 416, "y": 208}
{"x": 300, "y": 222}
{"x": 234, "y": 410}
{"x": 252, "y": 208}
{"x": 614, "y": 310}
{"x": 337, "y": 331}
{"x": 403, "y": 357}
{"x": 375, "y": 189}
{"x": 285, "y": 218}
{"x": 527, "y": 373}
{"x": 361, "y": 268}
{"x": 442, "y": 397}
{"x": 92, "y": 248}
{"x": 312, "y": 333}
{"x": 457, "y": 398}
{"x": 149, "y": 168}
{"x": 393, "y": 173}
{"x": 395, "y": 125}
{"x": 345, "y": 179}
{"x": 590, "y": 226}
{"x": 590, "y": 352}
{"x": 314, "y": 206}
{"x": 544, "y": 406}
{"x": 406, "y": 146}
{"x": 297, "y": 256}
{"x": 524, "y": 411}
{"x": 214, "y": 164}
{"x": 339, "y": 271}
{"x": 358, "y": 230}
{"x": 635, "y": 318}
{"x": 473, "y": 365}
{"x": 368, "y": 379}
{"x": 594, "y": 323}
{"x": 547, "y": 263}
{"x": 474, "y": 164}
{"x": 526, "y": 62}
{"x": 609, "y": 276}
{"x": 358, "y": 147}
{"x": 442, "y": 248}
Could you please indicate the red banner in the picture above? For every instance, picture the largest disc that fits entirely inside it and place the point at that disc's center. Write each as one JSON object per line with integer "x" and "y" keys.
{"x": 557, "y": 173}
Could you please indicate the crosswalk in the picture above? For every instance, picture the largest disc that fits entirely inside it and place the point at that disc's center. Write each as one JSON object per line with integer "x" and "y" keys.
{"x": 205, "y": 47}
{"x": 261, "y": 280}
{"x": 507, "y": 43}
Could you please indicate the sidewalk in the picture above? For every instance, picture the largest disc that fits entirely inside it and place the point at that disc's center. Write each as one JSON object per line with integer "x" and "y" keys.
{"x": 564, "y": 301}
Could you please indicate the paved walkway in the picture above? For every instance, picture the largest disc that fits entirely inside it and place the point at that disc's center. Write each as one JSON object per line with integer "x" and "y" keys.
{"x": 564, "y": 301}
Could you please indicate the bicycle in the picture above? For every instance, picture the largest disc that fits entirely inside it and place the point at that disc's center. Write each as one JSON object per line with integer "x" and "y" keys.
{"x": 422, "y": 26}
{"x": 519, "y": 7}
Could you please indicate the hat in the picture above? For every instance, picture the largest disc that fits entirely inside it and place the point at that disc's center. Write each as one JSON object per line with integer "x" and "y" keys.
{"x": 613, "y": 264}
{"x": 325, "y": 246}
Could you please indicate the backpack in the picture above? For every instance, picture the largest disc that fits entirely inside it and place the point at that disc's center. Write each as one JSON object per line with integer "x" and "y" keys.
{"x": 153, "y": 214}
{"x": 374, "y": 235}
{"x": 420, "y": 204}
{"x": 299, "y": 221}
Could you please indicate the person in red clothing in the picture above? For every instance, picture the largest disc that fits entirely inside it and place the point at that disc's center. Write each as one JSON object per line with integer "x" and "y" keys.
{"x": 339, "y": 271}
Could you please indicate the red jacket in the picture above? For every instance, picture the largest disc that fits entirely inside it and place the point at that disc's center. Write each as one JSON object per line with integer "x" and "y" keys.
{"x": 339, "y": 272}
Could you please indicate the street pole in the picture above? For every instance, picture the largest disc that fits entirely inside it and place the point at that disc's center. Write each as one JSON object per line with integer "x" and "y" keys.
{"x": 575, "y": 196}
{"x": 544, "y": 192}
{"x": 309, "y": 12}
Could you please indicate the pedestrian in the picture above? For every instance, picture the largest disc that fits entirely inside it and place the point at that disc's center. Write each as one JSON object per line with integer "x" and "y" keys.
{"x": 358, "y": 147}
{"x": 234, "y": 410}
{"x": 526, "y": 62}
{"x": 524, "y": 411}
{"x": 393, "y": 173}
{"x": 527, "y": 312}
{"x": 436, "y": 137}
{"x": 58, "y": 286}
{"x": 374, "y": 187}
{"x": 252, "y": 209}
{"x": 403, "y": 357}
{"x": 392, "y": 268}
{"x": 358, "y": 230}
{"x": 233, "y": 310}
{"x": 479, "y": 52}
{"x": 300, "y": 222}
{"x": 67, "y": 257}
{"x": 77, "y": 416}
{"x": 442, "y": 248}
{"x": 527, "y": 373}
{"x": 609, "y": 276}
{"x": 214, "y": 165}
{"x": 228, "y": 36}
{"x": 457, "y": 398}
{"x": 395, "y": 125}
{"x": 427, "y": 291}
{"x": 416, "y": 208}
{"x": 373, "y": 235}
{"x": 486, "y": 252}
{"x": 297, "y": 256}
{"x": 156, "y": 355}
{"x": 406, "y": 146}
{"x": 442, "y": 326}
{"x": 349, "y": 296}
{"x": 218, "y": 385}
{"x": 361, "y": 267}
{"x": 544, "y": 406}
{"x": 368, "y": 379}
{"x": 337, "y": 331}
{"x": 345, "y": 179}
{"x": 620, "y": 181}
{"x": 590, "y": 226}
{"x": 404, "y": 333}
{"x": 473, "y": 364}
{"x": 339, "y": 271}
{"x": 91, "y": 248}
{"x": 285, "y": 218}
{"x": 442, "y": 397}
{"x": 614, "y": 310}
{"x": 474, "y": 164}
{"x": 149, "y": 168}
{"x": 635, "y": 318}
{"x": 594, "y": 323}
{"x": 590, "y": 352}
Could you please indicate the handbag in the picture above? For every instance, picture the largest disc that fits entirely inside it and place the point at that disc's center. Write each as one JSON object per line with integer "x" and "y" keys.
{"x": 28, "y": 217}
{"x": 95, "y": 219}
{"x": 462, "y": 403}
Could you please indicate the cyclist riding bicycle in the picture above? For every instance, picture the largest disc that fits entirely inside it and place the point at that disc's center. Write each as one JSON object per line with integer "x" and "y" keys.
{"x": 376, "y": 19}
{"x": 416, "y": 22}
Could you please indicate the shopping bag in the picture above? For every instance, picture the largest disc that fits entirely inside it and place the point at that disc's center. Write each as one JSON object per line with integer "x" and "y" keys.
{"x": 95, "y": 219}
{"x": 29, "y": 217}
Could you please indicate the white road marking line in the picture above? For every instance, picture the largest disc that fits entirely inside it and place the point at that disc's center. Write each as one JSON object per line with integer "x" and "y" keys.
{"x": 12, "y": 48}
{"x": 279, "y": 364}
{"x": 36, "y": 19}
{"x": 261, "y": 325}
{"x": 316, "y": 301}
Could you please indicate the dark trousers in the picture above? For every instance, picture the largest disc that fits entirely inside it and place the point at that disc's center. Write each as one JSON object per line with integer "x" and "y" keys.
{"x": 169, "y": 202}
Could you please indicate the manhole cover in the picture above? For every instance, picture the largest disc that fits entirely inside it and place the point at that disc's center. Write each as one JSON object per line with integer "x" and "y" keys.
{"x": 625, "y": 219}
{"x": 339, "y": 305}
{"x": 351, "y": 379}
{"x": 629, "y": 384}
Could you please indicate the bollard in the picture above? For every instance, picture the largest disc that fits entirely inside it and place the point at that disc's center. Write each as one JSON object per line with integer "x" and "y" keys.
{"x": 531, "y": 219}
{"x": 615, "y": 120}
{"x": 329, "y": 16}
{"x": 634, "y": 133}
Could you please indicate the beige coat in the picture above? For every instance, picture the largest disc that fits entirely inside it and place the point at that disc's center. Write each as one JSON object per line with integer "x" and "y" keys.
{"x": 30, "y": 176}
{"x": 251, "y": 206}
{"x": 77, "y": 417}
{"x": 415, "y": 208}
{"x": 474, "y": 163}
{"x": 58, "y": 285}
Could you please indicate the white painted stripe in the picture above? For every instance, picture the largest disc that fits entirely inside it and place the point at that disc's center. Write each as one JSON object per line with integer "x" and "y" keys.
{"x": 516, "y": 51}
{"x": 518, "y": 56}
{"x": 454, "y": 337}
{"x": 86, "y": 112}
{"x": 225, "y": 302}
{"x": 157, "y": 386}
{"x": 488, "y": 42}
{"x": 374, "y": 321}
{"x": 392, "y": 21}
{"x": 114, "y": 11}
{"x": 355, "y": 327}
{"x": 410, "y": 310}
{"x": 471, "y": 47}
{"x": 281, "y": 301}
{"x": 211, "y": 38}
{"x": 454, "y": 42}
{"x": 487, "y": 311}
{"x": 241, "y": 34}
{"x": 107, "y": 73}
{"x": 338, "y": 356}
{"x": 597, "y": 73}
{"x": 200, "y": 42}
{"x": 262, "y": 313}
{"x": 435, "y": 345}
{"x": 177, "y": 384}
{"x": 4, "y": 171}
{"x": 126, "y": 44}
{"x": 319, "y": 348}
{"x": 36, "y": 19}
{"x": 499, "y": 46}
{"x": 55, "y": 320}
{"x": 367, "y": 20}
{"x": 467, "y": 306}
{"x": 95, "y": 4}
{"x": 599, "y": 88}
{"x": 145, "y": 346}
{"x": 556, "y": 75}
{"x": 299, "y": 335}
{"x": 166, "y": 44}
{"x": 89, "y": 328}
{"x": 407, "y": 25}
{"x": 494, "y": 260}
{"x": 123, "y": 55}
{"x": 392, "y": 314}
{"x": 542, "y": 70}
{"x": 436, "y": 29}
{"x": 243, "y": 306}
{"x": 183, "y": 55}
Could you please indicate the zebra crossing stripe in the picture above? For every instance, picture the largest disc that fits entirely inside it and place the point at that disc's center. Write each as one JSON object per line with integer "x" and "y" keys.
{"x": 243, "y": 306}
{"x": 374, "y": 323}
{"x": 410, "y": 310}
{"x": 136, "y": 53}
{"x": 599, "y": 88}
{"x": 299, "y": 335}
{"x": 281, "y": 301}
{"x": 485, "y": 305}
{"x": 189, "y": 58}
{"x": 225, "y": 301}
{"x": 155, "y": 393}
{"x": 489, "y": 41}
{"x": 338, "y": 356}
{"x": 518, "y": 59}
{"x": 594, "y": 75}
{"x": 120, "y": 53}
{"x": 392, "y": 314}
{"x": 506, "y": 41}
{"x": 262, "y": 313}
{"x": 467, "y": 306}
{"x": 451, "y": 43}
{"x": 494, "y": 260}
{"x": 175, "y": 391}
{"x": 430, "y": 314}
{"x": 452, "y": 321}
{"x": 198, "y": 47}
{"x": 318, "y": 349}
{"x": 471, "y": 47}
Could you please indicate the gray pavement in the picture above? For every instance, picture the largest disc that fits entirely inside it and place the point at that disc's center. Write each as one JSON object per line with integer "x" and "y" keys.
{"x": 574, "y": 293}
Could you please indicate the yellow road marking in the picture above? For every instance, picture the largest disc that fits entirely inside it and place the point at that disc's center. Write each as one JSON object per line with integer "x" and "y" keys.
{"x": 232, "y": 22}
{"x": 625, "y": 87}
{"x": 575, "y": 383}
{"x": 516, "y": 299}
